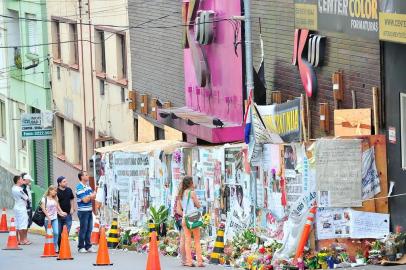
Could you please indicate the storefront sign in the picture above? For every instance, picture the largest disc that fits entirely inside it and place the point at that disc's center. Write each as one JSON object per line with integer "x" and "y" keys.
{"x": 354, "y": 17}
{"x": 283, "y": 119}
{"x": 36, "y": 126}
{"x": 392, "y": 21}
{"x": 305, "y": 16}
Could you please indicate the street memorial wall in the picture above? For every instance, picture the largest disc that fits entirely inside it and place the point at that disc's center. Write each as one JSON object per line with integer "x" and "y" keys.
{"x": 273, "y": 195}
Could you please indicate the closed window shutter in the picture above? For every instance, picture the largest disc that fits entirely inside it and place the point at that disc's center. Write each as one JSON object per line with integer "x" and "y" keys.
{"x": 32, "y": 33}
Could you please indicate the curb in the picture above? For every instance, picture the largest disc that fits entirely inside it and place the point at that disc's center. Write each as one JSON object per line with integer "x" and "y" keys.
{"x": 38, "y": 231}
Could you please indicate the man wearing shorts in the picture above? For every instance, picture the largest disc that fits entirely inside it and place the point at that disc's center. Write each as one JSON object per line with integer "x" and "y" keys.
{"x": 20, "y": 210}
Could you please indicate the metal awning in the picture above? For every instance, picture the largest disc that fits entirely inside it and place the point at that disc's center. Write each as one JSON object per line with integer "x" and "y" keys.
{"x": 168, "y": 146}
{"x": 201, "y": 125}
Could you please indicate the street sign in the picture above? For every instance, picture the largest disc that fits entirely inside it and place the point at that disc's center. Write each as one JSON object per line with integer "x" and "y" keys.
{"x": 36, "y": 126}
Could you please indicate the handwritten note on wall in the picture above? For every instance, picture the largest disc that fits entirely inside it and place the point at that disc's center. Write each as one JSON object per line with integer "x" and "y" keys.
{"x": 338, "y": 173}
{"x": 334, "y": 223}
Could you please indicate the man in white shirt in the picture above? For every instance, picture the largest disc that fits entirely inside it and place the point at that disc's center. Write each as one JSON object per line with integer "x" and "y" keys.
{"x": 20, "y": 210}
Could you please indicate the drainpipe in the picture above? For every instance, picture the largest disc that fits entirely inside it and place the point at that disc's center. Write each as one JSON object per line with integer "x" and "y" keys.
{"x": 84, "y": 164}
{"x": 91, "y": 69}
{"x": 248, "y": 69}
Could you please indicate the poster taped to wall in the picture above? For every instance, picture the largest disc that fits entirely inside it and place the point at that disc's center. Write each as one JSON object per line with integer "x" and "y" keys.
{"x": 128, "y": 166}
{"x": 338, "y": 163}
{"x": 207, "y": 163}
{"x": 233, "y": 164}
{"x": 371, "y": 184}
{"x": 347, "y": 223}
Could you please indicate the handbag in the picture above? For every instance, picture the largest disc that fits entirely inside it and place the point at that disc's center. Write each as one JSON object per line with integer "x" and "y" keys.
{"x": 39, "y": 215}
{"x": 193, "y": 220}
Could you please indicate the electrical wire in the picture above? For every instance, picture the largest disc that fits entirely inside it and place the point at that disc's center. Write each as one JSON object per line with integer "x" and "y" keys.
{"x": 131, "y": 27}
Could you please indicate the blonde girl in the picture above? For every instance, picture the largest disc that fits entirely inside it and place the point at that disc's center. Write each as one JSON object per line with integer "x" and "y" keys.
{"x": 50, "y": 207}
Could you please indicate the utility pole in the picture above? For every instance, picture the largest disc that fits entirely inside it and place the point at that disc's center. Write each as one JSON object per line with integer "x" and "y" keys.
{"x": 249, "y": 75}
{"x": 83, "y": 131}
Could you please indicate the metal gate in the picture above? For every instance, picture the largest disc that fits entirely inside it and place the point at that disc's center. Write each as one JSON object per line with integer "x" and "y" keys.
{"x": 43, "y": 163}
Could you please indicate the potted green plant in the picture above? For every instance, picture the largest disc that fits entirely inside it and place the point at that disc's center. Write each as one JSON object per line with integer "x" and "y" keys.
{"x": 159, "y": 218}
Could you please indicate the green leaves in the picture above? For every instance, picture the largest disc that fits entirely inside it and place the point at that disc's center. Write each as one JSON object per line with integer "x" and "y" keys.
{"x": 159, "y": 216}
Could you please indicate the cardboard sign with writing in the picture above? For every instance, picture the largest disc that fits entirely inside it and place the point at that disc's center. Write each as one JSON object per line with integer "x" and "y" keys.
{"x": 352, "y": 122}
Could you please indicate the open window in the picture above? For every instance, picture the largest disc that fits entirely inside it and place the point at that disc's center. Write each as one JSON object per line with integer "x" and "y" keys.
{"x": 73, "y": 36}
{"x": 121, "y": 57}
{"x": 56, "y": 39}
{"x": 100, "y": 51}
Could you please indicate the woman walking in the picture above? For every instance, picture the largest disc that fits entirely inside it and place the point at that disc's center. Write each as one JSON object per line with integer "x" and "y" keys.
{"x": 190, "y": 203}
{"x": 50, "y": 207}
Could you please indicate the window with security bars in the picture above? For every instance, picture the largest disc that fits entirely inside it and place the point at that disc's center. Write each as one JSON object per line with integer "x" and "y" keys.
{"x": 32, "y": 33}
{"x": 403, "y": 128}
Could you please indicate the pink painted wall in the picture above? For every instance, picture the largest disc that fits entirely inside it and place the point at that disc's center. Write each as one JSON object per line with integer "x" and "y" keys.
{"x": 225, "y": 99}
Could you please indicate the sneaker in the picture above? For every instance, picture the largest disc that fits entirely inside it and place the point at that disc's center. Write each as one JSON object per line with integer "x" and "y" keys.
{"x": 82, "y": 250}
{"x": 92, "y": 250}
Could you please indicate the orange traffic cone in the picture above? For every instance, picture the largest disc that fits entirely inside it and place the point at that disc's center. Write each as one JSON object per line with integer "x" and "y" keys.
{"x": 49, "y": 247}
{"x": 305, "y": 234}
{"x": 12, "y": 243}
{"x": 94, "y": 239}
{"x": 103, "y": 257}
{"x": 3, "y": 222}
{"x": 64, "y": 249}
{"x": 153, "y": 262}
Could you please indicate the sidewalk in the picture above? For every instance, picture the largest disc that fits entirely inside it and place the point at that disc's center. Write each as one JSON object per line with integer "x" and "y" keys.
{"x": 35, "y": 229}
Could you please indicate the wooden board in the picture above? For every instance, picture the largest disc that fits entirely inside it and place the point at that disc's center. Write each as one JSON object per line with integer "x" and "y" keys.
{"x": 379, "y": 205}
{"x": 146, "y": 130}
{"x": 352, "y": 122}
{"x": 172, "y": 134}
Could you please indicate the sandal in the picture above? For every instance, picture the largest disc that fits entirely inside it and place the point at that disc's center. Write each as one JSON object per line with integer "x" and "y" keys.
{"x": 201, "y": 265}
{"x": 190, "y": 265}
{"x": 26, "y": 243}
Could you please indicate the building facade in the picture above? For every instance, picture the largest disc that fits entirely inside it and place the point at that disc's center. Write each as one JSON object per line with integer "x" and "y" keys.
{"x": 91, "y": 80}
{"x": 368, "y": 48}
{"x": 183, "y": 83}
{"x": 25, "y": 88}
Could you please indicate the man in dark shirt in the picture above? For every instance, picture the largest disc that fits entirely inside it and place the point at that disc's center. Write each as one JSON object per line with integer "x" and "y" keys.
{"x": 27, "y": 190}
{"x": 67, "y": 204}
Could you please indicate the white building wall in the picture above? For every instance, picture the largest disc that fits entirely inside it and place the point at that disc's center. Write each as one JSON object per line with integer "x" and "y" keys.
{"x": 72, "y": 88}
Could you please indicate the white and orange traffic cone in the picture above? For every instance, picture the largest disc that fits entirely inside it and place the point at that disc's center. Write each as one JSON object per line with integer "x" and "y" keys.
{"x": 94, "y": 239}
{"x": 306, "y": 232}
{"x": 12, "y": 243}
{"x": 49, "y": 247}
{"x": 3, "y": 222}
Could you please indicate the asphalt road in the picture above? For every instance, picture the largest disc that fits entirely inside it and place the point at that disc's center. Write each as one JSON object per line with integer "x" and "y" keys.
{"x": 30, "y": 257}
